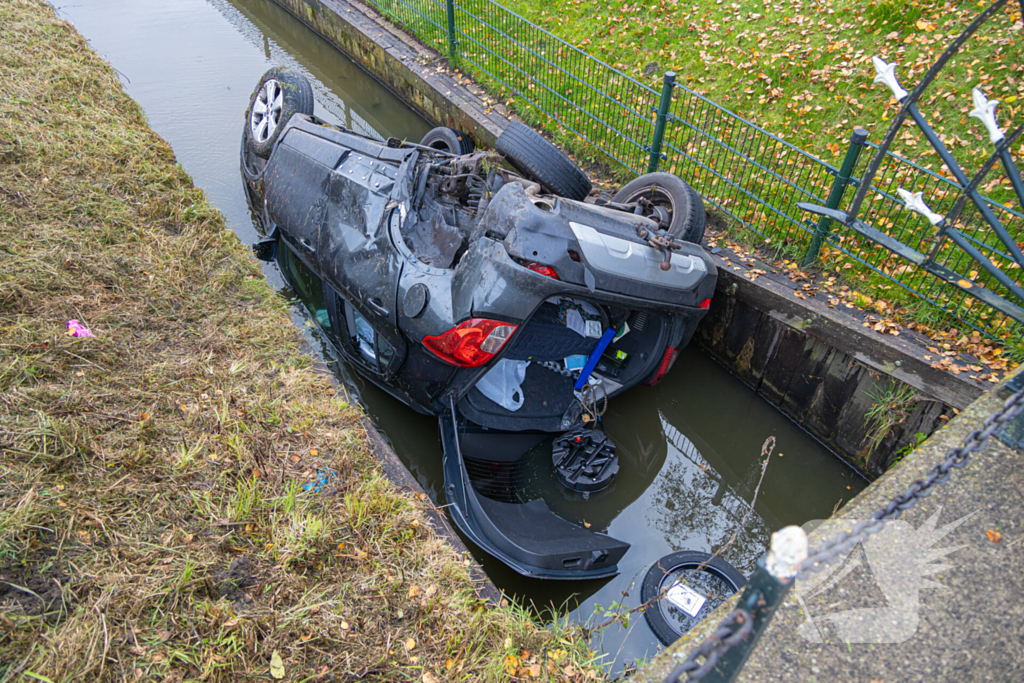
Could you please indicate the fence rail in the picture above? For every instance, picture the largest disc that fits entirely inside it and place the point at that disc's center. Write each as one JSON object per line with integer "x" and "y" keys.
{"x": 744, "y": 171}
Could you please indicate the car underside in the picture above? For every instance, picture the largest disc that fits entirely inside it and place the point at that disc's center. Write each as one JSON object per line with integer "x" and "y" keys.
{"x": 484, "y": 288}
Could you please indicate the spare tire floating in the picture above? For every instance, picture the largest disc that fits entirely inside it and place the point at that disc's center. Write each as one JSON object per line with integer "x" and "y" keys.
{"x": 689, "y": 595}
{"x": 584, "y": 460}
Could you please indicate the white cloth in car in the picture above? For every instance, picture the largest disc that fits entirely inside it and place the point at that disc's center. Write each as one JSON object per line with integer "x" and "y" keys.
{"x": 503, "y": 383}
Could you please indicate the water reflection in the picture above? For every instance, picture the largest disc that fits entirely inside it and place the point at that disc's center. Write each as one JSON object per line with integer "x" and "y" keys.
{"x": 694, "y": 502}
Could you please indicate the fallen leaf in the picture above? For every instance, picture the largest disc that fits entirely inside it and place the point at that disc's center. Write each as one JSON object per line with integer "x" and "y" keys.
{"x": 410, "y": 644}
{"x": 276, "y": 665}
{"x": 429, "y": 677}
{"x": 313, "y": 451}
{"x": 994, "y": 535}
{"x": 414, "y": 591}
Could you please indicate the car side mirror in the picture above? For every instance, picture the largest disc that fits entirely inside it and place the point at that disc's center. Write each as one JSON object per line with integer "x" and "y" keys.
{"x": 265, "y": 250}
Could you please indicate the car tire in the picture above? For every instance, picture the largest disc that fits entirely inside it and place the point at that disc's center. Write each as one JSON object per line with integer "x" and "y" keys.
{"x": 686, "y": 208}
{"x": 665, "y": 567}
{"x": 289, "y": 93}
{"x": 539, "y": 160}
{"x": 448, "y": 140}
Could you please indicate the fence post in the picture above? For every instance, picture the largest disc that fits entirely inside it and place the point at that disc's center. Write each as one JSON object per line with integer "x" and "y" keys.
{"x": 774, "y": 576}
{"x": 857, "y": 140}
{"x": 453, "y": 45}
{"x": 668, "y": 82}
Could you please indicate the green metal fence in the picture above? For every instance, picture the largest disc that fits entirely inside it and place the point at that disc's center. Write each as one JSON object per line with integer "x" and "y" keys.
{"x": 744, "y": 171}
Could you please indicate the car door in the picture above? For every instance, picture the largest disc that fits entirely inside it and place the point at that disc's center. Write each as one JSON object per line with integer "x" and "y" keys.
{"x": 296, "y": 182}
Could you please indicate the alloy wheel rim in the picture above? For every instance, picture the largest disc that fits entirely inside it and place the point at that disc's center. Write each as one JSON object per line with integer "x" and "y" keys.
{"x": 266, "y": 111}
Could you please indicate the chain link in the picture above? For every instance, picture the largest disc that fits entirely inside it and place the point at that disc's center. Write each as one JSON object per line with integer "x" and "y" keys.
{"x": 733, "y": 629}
{"x": 556, "y": 368}
{"x": 724, "y": 637}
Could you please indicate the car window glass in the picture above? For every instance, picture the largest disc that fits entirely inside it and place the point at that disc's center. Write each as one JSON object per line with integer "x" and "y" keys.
{"x": 385, "y": 352}
{"x": 307, "y": 286}
{"x": 365, "y": 337}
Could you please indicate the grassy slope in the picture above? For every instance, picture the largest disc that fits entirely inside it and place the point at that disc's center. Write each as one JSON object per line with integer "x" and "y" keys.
{"x": 139, "y": 464}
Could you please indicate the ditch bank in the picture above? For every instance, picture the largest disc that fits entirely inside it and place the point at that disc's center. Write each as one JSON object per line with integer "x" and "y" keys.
{"x": 182, "y": 494}
{"x": 869, "y": 397}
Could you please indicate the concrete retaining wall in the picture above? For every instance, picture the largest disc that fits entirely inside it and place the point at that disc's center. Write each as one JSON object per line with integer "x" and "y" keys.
{"x": 825, "y": 370}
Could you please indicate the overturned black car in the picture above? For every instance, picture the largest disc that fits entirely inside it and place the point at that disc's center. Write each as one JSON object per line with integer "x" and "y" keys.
{"x": 482, "y": 288}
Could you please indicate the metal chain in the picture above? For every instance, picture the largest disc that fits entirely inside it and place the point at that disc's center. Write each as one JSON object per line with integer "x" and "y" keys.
{"x": 724, "y": 637}
{"x": 555, "y": 367}
{"x": 846, "y": 541}
{"x": 714, "y": 646}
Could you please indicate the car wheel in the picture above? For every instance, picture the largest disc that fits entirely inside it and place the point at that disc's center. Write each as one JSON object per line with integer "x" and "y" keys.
{"x": 687, "y": 217}
{"x": 718, "y": 580}
{"x": 448, "y": 140}
{"x": 539, "y": 160}
{"x": 281, "y": 93}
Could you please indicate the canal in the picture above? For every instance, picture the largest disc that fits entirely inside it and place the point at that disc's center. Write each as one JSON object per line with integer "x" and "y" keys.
{"x": 689, "y": 449}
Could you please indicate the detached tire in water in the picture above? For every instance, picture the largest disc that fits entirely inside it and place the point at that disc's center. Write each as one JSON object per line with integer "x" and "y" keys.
{"x": 281, "y": 93}
{"x": 716, "y": 581}
{"x": 539, "y": 160}
{"x": 684, "y": 205}
{"x": 448, "y": 140}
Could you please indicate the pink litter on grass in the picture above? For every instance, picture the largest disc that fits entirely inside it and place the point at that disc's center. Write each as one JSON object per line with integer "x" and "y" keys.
{"x": 77, "y": 329}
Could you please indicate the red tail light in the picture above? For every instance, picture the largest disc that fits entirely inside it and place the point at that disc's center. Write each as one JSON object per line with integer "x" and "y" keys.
{"x": 706, "y": 304}
{"x": 472, "y": 343}
{"x": 543, "y": 270}
{"x": 666, "y": 364}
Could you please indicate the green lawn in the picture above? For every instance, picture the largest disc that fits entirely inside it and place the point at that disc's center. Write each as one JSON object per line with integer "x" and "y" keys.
{"x": 803, "y": 70}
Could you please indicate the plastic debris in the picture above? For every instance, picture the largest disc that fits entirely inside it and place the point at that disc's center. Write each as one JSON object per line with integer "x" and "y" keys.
{"x": 323, "y": 478}
{"x": 77, "y": 329}
{"x": 503, "y": 383}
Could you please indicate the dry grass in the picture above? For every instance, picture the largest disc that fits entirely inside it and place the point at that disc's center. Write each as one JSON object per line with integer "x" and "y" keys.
{"x": 152, "y": 521}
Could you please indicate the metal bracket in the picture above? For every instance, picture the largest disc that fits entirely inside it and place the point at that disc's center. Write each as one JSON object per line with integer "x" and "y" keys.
{"x": 650, "y": 150}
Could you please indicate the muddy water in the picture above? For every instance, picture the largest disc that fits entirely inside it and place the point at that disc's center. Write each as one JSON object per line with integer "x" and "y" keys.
{"x": 689, "y": 449}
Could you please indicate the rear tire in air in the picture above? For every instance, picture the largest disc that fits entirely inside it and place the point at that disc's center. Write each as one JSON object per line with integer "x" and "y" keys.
{"x": 539, "y": 160}
{"x": 686, "y": 208}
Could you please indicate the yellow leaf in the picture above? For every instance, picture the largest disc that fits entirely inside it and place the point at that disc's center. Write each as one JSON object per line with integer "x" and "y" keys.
{"x": 313, "y": 451}
{"x": 428, "y": 677}
{"x": 449, "y": 664}
{"x": 410, "y": 644}
{"x": 276, "y": 665}
{"x": 414, "y": 591}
